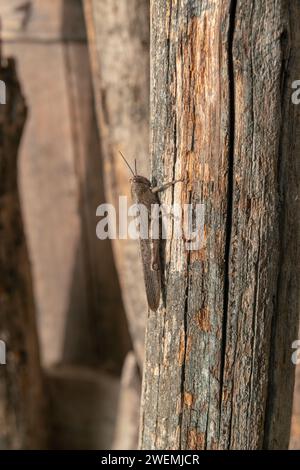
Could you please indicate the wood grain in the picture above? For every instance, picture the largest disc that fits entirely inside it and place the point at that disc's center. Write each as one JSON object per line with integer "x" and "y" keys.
{"x": 218, "y": 364}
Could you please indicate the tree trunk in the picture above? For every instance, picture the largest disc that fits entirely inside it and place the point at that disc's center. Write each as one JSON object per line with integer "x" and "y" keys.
{"x": 218, "y": 371}
{"x": 21, "y": 397}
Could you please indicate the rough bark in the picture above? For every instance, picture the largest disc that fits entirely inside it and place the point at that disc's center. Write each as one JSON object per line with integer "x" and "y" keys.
{"x": 218, "y": 371}
{"x": 118, "y": 35}
{"x": 21, "y": 397}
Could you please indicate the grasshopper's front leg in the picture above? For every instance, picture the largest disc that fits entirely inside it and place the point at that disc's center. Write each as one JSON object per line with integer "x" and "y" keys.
{"x": 158, "y": 189}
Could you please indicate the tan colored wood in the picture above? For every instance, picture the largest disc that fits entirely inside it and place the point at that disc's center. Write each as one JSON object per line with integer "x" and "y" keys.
{"x": 80, "y": 314}
{"x": 22, "y": 424}
{"x": 127, "y": 423}
{"x": 118, "y": 41}
{"x": 42, "y": 20}
{"x": 107, "y": 319}
{"x": 49, "y": 194}
{"x": 82, "y": 408}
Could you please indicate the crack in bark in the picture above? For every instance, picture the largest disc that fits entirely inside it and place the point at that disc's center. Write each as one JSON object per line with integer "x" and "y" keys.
{"x": 185, "y": 326}
{"x": 254, "y": 325}
{"x": 161, "y": 354}
{"x": 231, "y": 131}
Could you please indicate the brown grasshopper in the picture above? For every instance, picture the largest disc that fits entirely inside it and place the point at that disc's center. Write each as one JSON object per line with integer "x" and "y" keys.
{"x": 143, "y": 193}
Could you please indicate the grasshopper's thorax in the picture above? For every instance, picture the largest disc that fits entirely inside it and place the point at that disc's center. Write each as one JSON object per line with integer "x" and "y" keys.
{"x": 140, "y": 187}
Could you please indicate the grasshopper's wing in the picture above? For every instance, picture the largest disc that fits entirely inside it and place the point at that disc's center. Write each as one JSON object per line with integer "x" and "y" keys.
{"x": 151, "y": 268}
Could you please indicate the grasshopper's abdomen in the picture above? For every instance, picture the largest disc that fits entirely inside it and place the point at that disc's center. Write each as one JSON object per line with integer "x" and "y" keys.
{"x": 150, "y": 253}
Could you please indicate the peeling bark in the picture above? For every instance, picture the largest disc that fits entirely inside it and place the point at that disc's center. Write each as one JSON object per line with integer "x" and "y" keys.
{"x": 218, "y": 371}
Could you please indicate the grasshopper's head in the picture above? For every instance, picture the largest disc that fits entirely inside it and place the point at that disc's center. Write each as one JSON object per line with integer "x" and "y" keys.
{"x": 136, "y": 180}
{"x": 139, "y": 187}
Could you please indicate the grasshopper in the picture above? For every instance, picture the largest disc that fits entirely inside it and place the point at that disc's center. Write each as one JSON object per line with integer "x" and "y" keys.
{"x": 144, "y": 193}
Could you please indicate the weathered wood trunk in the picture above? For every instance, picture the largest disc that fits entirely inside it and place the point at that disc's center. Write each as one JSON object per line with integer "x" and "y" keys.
{"x": 218, "y": 371}
{"x": 21, "y": 397}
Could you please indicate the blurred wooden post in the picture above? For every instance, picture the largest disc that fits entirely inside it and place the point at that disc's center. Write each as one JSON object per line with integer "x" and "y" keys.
{"x": 126, "y": 432}
{"x": 218, "y": 371}
{"x": 81, "y": 322}
{"x": 118, "y": 34}
{"x": 79, "y": 307}
{"x": 21, "y": 397}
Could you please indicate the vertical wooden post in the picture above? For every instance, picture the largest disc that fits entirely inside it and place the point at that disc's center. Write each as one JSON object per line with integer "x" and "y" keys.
{"x": 118, "y": 34}
{"x": 21, "y": 396}
{"x": 218, "y": 371}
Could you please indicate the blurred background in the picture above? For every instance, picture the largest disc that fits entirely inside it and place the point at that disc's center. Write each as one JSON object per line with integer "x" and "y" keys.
{"x": 83, "y": 68}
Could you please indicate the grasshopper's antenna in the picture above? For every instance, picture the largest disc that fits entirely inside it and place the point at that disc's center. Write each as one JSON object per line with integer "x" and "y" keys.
{"x": 126, "y": 163}
{"x": 135, "y": 168}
